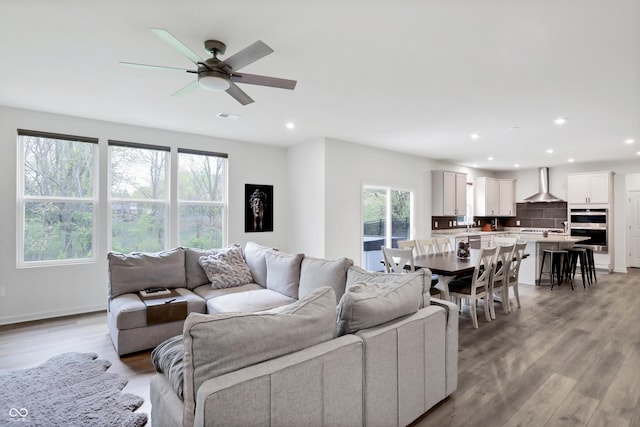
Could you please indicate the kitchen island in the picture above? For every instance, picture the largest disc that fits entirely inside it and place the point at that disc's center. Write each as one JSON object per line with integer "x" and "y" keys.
{"x": 536, "y": 243}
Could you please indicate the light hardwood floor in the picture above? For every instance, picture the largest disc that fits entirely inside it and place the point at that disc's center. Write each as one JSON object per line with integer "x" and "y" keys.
{"x": 564, "y": 359}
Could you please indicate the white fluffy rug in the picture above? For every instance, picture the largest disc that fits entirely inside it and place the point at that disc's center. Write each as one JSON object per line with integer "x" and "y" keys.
{"x": 71, "y": 389}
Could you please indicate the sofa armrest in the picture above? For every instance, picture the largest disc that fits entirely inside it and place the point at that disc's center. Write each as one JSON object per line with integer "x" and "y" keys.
{"x": 452, "y": 342}
{"x": 325, "y": 379}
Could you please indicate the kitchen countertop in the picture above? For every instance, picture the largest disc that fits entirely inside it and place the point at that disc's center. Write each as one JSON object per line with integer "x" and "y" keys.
{"x": 529, "y": 237}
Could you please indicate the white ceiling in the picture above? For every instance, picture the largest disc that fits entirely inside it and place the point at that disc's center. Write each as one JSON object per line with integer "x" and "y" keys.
{"x": 415, "y": 76}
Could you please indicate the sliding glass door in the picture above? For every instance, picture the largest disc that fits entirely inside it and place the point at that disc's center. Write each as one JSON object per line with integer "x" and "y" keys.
{"x": 387, "y": 218}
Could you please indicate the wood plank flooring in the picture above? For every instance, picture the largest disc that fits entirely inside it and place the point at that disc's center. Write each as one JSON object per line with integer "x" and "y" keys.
{"x": 566, "y": 358}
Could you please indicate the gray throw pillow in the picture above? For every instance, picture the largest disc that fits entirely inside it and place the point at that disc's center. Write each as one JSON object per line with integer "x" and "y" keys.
{"x": 316, "y": 272}
{"x": 365, "y": 305}
{"x": 283, "y": 272}
{"x": 195, "y": 274}
{"x": 226, "y": 268}
{"x": 221, "y": 343}
{"x": 255, "y": 257}
{"x": 136, "y": 271}
{"x": 167, "y": 359}
{"x": 356, "y": 274}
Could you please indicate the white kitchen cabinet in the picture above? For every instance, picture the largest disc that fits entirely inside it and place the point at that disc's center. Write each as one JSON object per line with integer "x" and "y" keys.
{"x": 449, "y": 193}
{"x": 589, "y": 188}
{"x": 507, "y": 197}
{"x": 495, "y": 197}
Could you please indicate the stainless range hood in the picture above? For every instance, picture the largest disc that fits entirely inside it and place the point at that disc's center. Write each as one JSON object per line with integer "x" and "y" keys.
{"x": 543, "y": 185}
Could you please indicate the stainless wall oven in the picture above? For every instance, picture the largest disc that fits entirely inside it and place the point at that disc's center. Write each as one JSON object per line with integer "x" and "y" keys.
{"x": 591, "y": 223}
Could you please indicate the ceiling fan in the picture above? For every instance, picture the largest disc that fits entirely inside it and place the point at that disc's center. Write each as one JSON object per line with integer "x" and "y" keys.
{"x": 217, "y": 75}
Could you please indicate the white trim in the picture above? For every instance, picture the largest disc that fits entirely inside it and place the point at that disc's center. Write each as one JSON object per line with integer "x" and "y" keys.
{"x": 52, "y": 313}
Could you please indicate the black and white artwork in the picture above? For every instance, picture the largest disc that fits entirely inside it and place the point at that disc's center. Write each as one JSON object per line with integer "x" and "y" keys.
{"x": 258, "y": 211}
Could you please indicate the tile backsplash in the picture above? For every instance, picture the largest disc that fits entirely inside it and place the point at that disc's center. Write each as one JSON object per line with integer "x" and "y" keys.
{"x": 539, "y": 215}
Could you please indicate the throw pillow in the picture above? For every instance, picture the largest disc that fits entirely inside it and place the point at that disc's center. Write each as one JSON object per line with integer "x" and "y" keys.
{"x": 195, "y": 274}
{"x": 255, "y": 257}
{"x": 356, "y": 274}
{"x": 226, "y": 268}
{"x": 283, "y": 272}
{"x": 167, "y": 359}
{"x": 365, "y": 305}
{"x": 217, "y": 344}
{"x": 316, "y": 272}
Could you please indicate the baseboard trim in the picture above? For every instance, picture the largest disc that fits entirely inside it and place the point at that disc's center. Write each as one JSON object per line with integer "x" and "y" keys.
{"x": 620, "y": 270}
{"x": 51, "y": 314}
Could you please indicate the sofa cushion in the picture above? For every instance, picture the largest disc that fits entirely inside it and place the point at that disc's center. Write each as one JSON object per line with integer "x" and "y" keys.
{"x": 129, "y": 312}
{"x": 316, "y": 272}
{"x": 167, "y": 359}
{"x": 283, "y": 272}
{"x": 194, "y": 271}
{"x": 221, "y": 343}
{"x": 226, "y": 268}
{"x": 136, "y": 271}
{"x": 255, "y": 257}
{"x": 364, "y": 305}
{"x": 356, "y": 274}
{"x": 247, "y": 302}
{"x": 207, "y": 292}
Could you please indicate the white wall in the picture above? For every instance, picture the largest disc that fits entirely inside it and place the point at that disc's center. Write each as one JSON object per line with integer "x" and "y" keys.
{"x": 33, "y": 293}
{"x": 349, "y": 167}
{"x": 306, "y": 171}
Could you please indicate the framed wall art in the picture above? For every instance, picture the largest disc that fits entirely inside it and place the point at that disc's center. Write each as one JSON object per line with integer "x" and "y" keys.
{"x": 258, "y": 210}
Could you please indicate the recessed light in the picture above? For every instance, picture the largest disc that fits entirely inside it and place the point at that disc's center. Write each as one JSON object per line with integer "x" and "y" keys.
{"x": 560, "y": 120}
{"x": 474, "y": 136}
{"x": 550, "y": 151}
{"x": 516, "y": 165}
{"x": 490, "y": 158}
{"x": 475, "y": 165}
{"x": 290, "y": 125}
{"x": 571, "y": 160}
{"x": 629, "y": 141}
{"x": 638, "y": 153}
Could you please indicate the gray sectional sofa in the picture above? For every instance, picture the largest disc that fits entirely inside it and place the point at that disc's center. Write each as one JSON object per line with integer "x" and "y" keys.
{"x": 343, "y": 347}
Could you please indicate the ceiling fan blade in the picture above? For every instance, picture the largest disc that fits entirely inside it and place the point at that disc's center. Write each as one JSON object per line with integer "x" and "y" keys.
{"x": 238, "y": 94}
{"x": 254, "y": 79}
{"x": 187, "y": 89}
{"x": 177, "y": 44}
{"x": 247, "y": 56}
{"x": 156, "y": 67}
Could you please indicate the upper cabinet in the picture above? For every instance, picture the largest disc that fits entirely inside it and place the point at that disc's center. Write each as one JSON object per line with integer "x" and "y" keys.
{"x": 507, "y": 197}
{"x": 495, "y": 197}
{"x": 589, "y": 188}
{"x": 449, "y": 193}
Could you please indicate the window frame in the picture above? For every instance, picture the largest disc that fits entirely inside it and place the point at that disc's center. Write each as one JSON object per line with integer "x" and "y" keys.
{"x": 167, "y": 191}
{"x": 224, "y": 203}
{"x": 22, "y": 199}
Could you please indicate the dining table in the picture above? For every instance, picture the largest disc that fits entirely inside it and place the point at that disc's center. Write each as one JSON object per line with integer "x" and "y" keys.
{"x": 448, "y": 266}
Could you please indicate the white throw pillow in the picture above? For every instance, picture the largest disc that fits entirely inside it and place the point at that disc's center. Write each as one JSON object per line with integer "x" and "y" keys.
{"x": 226, "y": 268}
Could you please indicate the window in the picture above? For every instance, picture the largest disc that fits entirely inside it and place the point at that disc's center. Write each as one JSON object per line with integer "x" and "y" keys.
{"x": 387, "y": 218}
{"x": 57, "y": 201}
{"x": 201, "y": 198}
{"x": 139, "y": 196}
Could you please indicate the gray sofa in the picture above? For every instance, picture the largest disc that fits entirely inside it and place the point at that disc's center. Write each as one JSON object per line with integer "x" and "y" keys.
{"x": 383, "y": 357}
{"x": 291, "y": 276}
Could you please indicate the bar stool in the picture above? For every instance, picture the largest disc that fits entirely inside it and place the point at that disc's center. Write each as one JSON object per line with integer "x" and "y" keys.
{"x": 558, "y": 260}
{"x": 591, "y": 265}
{"x": 575, "y": 255}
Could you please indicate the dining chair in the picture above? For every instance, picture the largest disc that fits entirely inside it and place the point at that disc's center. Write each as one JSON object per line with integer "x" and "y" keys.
{"x": 444, "y": 244}
{"x": 427, "y": 246}
{"x": 396, "y": 260}
{"x": 500, "y": 281}
{"x": 405, "y": 244}
{"x": 514, "y": 272}
{"x": 476, "y": 287}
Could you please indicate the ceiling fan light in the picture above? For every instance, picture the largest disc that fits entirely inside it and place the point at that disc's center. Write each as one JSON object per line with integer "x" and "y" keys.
{"x": 213, "y": 81}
